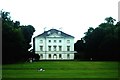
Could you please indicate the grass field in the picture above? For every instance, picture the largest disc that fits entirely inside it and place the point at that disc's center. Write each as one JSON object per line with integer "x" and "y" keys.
{"x": 61, "y": 69}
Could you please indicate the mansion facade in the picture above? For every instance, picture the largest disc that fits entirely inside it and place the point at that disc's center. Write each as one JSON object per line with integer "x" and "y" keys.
{"x": 54, "y": 45}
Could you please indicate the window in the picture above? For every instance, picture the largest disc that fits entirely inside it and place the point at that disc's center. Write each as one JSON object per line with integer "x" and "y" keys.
{"x": 55, "y": 56}
{"x": 68, "y": 56}
{"x": 68, "y": 48}
{"x": 41, "y": 55}
{"x": 68, "y": 41}
{"x": 49, "y": 41}
{"x": 54, "y": 41}
{"x": 41, "y": 41}
{"x": 49, "y": 55}
{"x": 41, "y": 48}
{"x": 60, "y": 41}
{"x": 60, "y": 56}
{"x": 59, "y": 33}
{"x": 49, "y": 48}
{"x": 48, "y": 33}
{"x": 60, "y": 48}
{"x": 54, "y": 48}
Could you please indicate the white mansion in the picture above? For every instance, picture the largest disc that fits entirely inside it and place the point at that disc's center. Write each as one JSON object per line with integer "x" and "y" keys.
{"x": 54, "y": 45}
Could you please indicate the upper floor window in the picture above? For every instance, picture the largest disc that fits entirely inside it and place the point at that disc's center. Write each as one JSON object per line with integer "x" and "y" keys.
{"x": 60, "y": 48}
{"x": 49, "y": 48}
{"x": 60, "y": 41}
{"x": 41, "y": 41}
{"x": 68, "y": 48}
{"x": 55, "y": 41}
{"x": 55, "y": 48}
{"x": 41, "y": 48}
{"x": 68, "y": 41}
{"x": 49, "y": 41}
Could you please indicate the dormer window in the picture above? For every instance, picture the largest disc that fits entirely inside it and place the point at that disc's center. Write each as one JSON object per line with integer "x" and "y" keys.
{"x": 68, "y": 41}
{"x": 41, "y": 41}
{"x": 59, "y": 33}
{"x": 54, "y": 41}
{"x": 48, "y": 33}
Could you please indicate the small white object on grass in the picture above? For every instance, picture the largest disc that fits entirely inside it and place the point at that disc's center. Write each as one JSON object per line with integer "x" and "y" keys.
{"x": 41, "y": 69}
{"x": 91, "y": 59}
{"x": 30, "y": 60}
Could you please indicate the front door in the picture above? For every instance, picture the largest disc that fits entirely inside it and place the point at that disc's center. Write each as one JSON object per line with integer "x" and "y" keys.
{"x": 54, "y": 56}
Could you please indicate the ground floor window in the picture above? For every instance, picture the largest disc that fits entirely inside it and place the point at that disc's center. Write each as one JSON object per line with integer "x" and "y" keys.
{"x": 55, "y": 56}
{"x": 41, "y": 56}
{"x": 68, "y": 56}
{"x": 60, "y": 56}
{"x": 49, "y": 55}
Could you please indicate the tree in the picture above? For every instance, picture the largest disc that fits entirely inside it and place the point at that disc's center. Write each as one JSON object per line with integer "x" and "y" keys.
{"x": 93, "y": 41}
{"x": 27, "y": 32}
{"x": 11, "y": 40}
{"x": 14, "y": 42}
{"x": 110, "y": 41}
{"x": 102, "y": 42}
{"x": 110, "y": 20}
{"x": 90, "y": 30}
{"x": 117, "y": 30}
{"x": 79, "y": 46}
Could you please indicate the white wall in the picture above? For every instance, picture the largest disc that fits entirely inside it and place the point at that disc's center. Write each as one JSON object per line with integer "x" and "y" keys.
{"x": 64, "y": 57}
{"x": 64, "y": 45}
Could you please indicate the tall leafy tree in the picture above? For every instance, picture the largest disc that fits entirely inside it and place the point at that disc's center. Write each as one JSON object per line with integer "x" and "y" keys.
{"x": 27, "y": 32}
{"x": 110, "y": 20}
{"x": 102, "y": 42}
{"x": 79, "y": 46}
{"x": 14, "y": 42}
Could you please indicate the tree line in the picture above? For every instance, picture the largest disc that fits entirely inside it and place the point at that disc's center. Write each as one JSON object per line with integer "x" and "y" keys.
{"x": 100, "y": 43}
{"x": 16, "y": 40}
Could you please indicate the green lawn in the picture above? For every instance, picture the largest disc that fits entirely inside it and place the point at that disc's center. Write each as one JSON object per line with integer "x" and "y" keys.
{"x": 62, "y": 69}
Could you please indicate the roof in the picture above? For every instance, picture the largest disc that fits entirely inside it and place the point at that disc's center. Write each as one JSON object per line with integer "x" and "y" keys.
{"x": 46, "y": 33}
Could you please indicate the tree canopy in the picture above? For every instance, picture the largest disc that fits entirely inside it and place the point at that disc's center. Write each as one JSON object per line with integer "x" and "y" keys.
{"x": 102, "y": 42}
{"x": 15, "y": 39}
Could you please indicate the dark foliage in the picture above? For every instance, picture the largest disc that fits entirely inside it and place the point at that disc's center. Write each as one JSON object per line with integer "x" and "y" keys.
{"x": 15, "y": 39}
{"x": 101, "y": 43}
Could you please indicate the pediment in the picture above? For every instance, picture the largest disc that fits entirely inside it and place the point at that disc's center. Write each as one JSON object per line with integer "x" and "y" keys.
{"x": 54, "y": 35}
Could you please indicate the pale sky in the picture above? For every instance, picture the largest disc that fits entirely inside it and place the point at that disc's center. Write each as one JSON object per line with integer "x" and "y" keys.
{"x": 73, "y": 16}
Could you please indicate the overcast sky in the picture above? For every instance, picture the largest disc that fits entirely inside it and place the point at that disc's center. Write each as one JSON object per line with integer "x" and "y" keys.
{"x": 73, "y": 16}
